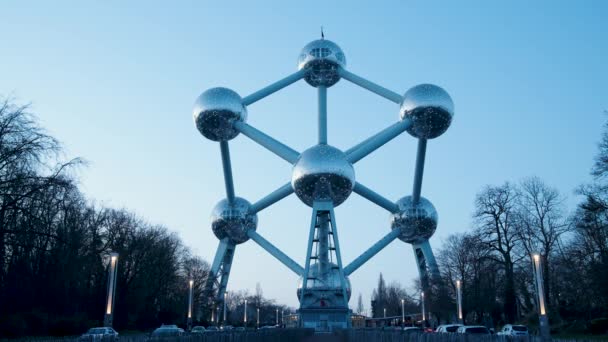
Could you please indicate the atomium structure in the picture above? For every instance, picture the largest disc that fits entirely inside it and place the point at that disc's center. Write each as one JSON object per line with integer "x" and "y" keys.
{"x": 323, "y": 177}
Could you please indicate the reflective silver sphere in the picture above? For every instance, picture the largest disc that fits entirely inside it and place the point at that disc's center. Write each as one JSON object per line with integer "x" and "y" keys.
{"x": 216, "y": 110}
{"x": 430, "y": 108}
{"x": 322, "y": 173}
{"x": 233, "y": 221}
{"x": 323, "y": 58}
{"x": 325, "y": 286}
{"x": 416, "y": 223}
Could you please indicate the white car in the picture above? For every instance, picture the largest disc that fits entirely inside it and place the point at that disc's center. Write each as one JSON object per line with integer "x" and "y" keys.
{"x": 514, "y": 330}
{"x": 102, "y": 333}
{"x": 447, "y": 328}
{"x": 473, "y": 329}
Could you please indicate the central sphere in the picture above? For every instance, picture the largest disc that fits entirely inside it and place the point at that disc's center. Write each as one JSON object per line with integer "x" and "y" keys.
{"x": 415, "y": 222}
{"x": 322, "y": 173}
{"x": 233, "y": 220}
{"x": 323, "y": 59}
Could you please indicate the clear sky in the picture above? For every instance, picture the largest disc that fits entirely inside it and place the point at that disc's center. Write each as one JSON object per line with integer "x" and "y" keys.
{"x": 115, "y": 82}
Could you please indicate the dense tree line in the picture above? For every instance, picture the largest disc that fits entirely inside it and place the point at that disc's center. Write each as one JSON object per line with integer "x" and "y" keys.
{"x": 55, "y": 244}
{"x": 493, "y": 259}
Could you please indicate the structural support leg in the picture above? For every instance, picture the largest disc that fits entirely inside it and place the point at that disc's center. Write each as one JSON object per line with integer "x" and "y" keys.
{"x": 216, "y": 283}
{"x": 369, "y": 145}
{"x": 275, "y": 252}
{"x": 373, "y": 250}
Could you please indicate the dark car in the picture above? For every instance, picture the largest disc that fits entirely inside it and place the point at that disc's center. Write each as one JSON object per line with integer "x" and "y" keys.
{"x": 198, "y": 330}
{"x": 166, "y": 331}
{"x": 98, "y": 334}
{"x": 473, "y": 329}
{"x": 212, "y": 328}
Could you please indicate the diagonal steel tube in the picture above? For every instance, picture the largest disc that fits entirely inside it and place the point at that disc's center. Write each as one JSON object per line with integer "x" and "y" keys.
{"x": 275, "y": 252}
{"x": 359, "y": 151}
{"x": 376, "y": 198}
{"x": 271, "y": 144}
{"x": 278, "y": 85}
{"x": 272, "y": 198}
{"x": 225, "y": 150}
{"x": 419, "y": 172}
{"x": 373, "y": 250}
{"x": 371, "y": 86}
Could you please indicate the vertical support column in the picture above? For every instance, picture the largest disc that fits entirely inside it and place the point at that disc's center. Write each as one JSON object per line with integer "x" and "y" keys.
{"x": 112, "y": 269}
{"x": 339, "y": 257}
{"x": 540, "y": 291}
{"x": 311, "y": 234}
{"x": 322, "y": 90}
{"x": 323, "y": 237}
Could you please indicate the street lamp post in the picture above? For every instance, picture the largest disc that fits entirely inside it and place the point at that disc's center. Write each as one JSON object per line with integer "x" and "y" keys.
{"x": 191, "y": 283}
{"x": 542, "y": 310}
{"x": 423, "y": 309}
{"x": 225, "y": 294}
{"x": 459, "y": 300}
{"x": 258, "y": 318}
{"x": 384, "y": 312}
{"x": 282, "y": 318}
{"x": 277, "y": 316}
{"x": 109, "y": 316}
{"x": 245, "y": 318}
{"x": 403, "y": 312}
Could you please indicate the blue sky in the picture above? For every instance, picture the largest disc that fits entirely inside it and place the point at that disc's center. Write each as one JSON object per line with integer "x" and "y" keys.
{"x": 115, "y": 82}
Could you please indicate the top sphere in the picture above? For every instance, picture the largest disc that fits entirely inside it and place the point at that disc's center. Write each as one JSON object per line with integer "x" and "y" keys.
{"x": 323, "y": 58}
{"x": 216, "y": 110}
{"x": 322, "y": 173}
{"x": 430, "y": 108}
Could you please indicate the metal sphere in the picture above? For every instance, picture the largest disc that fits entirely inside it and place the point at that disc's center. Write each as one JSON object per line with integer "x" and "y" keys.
{"x": 322, "y": 173}
{"x": 328, "y": 284}
{"x": 430, "y": 108}
{"x": 233, "y": 220}
{"x": 323, "y": 58}
{"x": 215, "y": 112}
{"x": 416, "y": 223}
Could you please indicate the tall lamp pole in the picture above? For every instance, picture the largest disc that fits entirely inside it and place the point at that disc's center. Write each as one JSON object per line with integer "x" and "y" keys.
{"x": 459, "y": 300}
{"x": 109, "y": 316}
{"x": 191, "y": 283}
{"x": 542, "y": 310}
{"x": 245, "y": 318}
{"x": 423, "y": 309}
{"x": 403, "y": 312}
{"x": 225, "y": 294}
{"x": 277, "y": 316}
{"x": 258, "y": 318}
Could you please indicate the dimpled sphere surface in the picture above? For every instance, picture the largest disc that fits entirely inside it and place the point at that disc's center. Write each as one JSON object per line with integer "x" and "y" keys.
{"x": 322, "y": 173}
{"x": 328, "y": 282}
{"x": 416, "y": 223}
{"x": 233, "y": 221}
{"x": 430, "y": 108}
{"x": 323, "y": 58}
{"x": 216, "y": 110}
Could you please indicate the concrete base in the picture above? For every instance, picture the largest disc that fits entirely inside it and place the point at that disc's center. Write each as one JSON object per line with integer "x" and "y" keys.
{"x": 326, "y": 319}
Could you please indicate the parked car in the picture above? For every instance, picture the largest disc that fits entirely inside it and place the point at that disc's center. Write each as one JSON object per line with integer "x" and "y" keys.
{"x": 198, "y": 330}
{"x": 514, "y": 330}
{"x": 212, "y": 328}
{"x": 227, "y": 327}
{"x": 473, "y": 329}
{"x": 101, "y": 333}
{"x": 166, "y": 331}
{"x": 239, "y": 329}
{"x": 413, "y": 330}
{"x": 447, "y": 328}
